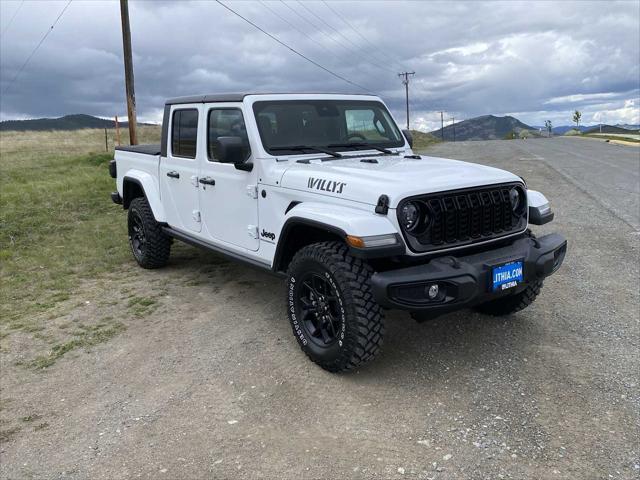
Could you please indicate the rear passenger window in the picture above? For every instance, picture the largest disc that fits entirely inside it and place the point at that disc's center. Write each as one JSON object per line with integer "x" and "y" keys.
{"x": 184, "y": 133}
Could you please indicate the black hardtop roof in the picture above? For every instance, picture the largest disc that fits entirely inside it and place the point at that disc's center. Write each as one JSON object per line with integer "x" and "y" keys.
{"x": 235, "y": 97}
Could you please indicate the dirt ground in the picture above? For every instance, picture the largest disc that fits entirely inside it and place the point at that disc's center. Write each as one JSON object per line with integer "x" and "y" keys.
{"x": 206, "y": 380}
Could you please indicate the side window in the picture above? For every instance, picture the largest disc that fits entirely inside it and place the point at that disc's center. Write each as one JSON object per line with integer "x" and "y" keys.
{"x": 184, "y": 133}
{"x": 226, "y": 122}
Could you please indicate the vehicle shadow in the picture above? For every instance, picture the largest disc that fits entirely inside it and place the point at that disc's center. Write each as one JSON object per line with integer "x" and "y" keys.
{"x": 444, "y": 346}
{"x": 454, "y": 344}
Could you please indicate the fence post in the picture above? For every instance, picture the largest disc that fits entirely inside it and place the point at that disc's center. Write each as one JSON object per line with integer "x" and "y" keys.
{"x": 106, "y": 143}
{"x": 117, "y": 131}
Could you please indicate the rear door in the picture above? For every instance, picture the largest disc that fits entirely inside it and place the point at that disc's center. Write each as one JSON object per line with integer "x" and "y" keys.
{"x": 179, "y": 170}
{"x": 230, "y": 207}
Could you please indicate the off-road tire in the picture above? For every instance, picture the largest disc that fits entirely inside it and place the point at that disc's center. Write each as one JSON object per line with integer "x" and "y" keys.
{"x": 362, "y": 321}
{"x": 157, "y": 245}
{"x": 513, "y": 303}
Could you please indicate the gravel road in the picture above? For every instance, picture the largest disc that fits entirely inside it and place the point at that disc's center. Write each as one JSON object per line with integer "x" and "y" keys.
{"x": 213, "y": 385}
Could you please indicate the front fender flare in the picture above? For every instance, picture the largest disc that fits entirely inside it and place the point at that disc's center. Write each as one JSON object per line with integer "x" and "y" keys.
{"x": 539, "y": 208}
{"x": 151, "y": 189}
{"x": 350, "y": 221}
{"x": 340, "y": 221}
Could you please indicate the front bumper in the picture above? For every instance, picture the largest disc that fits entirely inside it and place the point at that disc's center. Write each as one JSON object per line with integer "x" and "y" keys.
{"x": 466, "y": 281}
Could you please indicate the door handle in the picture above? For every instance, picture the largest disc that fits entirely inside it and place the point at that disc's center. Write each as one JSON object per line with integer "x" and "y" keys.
{"x": 173, "y": 174}
{"x": 207, "y": 181}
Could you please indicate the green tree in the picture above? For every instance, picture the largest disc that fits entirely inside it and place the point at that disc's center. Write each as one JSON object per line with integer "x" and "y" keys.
{"x": 576, "y": 118}
{"x": 547, "y": 123}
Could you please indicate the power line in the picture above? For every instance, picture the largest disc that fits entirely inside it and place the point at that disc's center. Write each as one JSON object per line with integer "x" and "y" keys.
{"x": 325, "y": 34}
{"x": 293, "y": 50}
{"x": 341, "y": 35}
{"x": 38, "y": 46}
{"x": 11, "y": 20}
{"x": 376, "y": 47}
{"x": 302, "y": 32}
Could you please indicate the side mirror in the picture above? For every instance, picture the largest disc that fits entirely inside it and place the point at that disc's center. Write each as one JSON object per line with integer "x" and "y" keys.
{"x": 229, "y": 150}
{"x": 408, "y": 136}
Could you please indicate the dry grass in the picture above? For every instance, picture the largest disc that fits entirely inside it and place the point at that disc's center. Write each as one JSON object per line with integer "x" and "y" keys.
{"x": 58, "y": 225}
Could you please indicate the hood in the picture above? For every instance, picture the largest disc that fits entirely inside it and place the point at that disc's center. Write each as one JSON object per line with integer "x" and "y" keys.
{"x": 359, "y": 180}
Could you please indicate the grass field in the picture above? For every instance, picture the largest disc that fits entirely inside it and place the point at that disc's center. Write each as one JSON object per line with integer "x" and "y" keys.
{"x": 58, "y": 227}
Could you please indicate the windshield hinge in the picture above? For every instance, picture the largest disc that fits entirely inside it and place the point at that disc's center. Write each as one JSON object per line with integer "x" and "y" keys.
{"x": 196, "y": 216}
{"x": 252, "y": 230}
{"x": 252, "y": 191}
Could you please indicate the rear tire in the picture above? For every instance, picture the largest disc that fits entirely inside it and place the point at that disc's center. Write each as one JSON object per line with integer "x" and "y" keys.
{"x": 331, "y": 308}
{"x": 511, "y": 304}
{"x": 150, "y": 246}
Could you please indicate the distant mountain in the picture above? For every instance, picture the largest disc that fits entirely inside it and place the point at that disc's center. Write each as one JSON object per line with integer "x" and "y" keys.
{"x": 486, "y": 127}
{"x": 609, "y": 129}
{"x": 626, "y": 126}
{"x": 561, "y": 130}
{"x": 68, "y": 122}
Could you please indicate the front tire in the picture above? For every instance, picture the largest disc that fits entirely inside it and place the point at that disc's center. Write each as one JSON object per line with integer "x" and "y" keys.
{"x": 331, "y": 308}
{"x": 150, "y": 246}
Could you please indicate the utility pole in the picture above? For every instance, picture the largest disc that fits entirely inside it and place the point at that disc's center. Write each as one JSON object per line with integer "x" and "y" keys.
{"x": 442, "y": 125}
{"x": 406, "y": 90}
{"x": 128, "y": 71}
{"x": 453, "y": 124}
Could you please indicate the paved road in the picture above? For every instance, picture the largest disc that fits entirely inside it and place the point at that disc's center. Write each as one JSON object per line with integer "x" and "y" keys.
{"x": 607, "y": 173}
{"x": 213, "y": 385}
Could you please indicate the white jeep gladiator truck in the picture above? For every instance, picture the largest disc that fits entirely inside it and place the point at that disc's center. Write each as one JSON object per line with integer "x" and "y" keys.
{"x": 325, "y": 190}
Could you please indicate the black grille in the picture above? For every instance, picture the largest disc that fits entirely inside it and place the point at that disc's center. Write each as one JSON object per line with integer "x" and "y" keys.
{"x": 465, "y": 217}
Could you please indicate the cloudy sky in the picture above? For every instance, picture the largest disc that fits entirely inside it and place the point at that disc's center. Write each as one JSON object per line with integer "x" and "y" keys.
{"x": 534, "y": 60}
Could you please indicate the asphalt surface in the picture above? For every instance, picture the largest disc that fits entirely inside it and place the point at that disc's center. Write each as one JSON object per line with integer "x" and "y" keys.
{"x": 213, "y": 385}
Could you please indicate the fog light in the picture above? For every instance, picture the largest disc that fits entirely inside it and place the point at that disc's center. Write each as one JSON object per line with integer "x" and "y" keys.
{"x": 432, "y": 292}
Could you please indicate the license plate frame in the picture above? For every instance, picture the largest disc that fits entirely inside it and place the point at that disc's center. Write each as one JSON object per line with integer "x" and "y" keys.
{"x": 507, "y": 275}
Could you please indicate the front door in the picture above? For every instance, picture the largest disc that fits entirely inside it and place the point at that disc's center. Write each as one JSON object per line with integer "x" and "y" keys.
{"x": 230, "y": 206}
{"x": 179, "y": 171}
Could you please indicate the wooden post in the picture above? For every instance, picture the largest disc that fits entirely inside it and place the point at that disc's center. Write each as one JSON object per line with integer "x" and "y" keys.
{"x": 128, "y": 71}
{"x": 117, "y": 131}
{"x": 106, "y": 142}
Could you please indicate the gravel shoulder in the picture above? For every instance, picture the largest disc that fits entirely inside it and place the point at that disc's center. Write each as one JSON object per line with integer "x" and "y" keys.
{"x": 211, "y": 383}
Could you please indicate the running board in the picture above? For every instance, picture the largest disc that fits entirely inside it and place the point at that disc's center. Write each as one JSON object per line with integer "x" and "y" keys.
{"x": 196, "y": 242}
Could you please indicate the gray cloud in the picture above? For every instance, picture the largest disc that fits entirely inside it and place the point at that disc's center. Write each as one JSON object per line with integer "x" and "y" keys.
{"x": 538, "y": 60}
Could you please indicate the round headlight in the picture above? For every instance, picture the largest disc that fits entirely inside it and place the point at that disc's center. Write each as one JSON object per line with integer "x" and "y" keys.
{"x": 516, "y": 198}
{"x": 410, "y": 216}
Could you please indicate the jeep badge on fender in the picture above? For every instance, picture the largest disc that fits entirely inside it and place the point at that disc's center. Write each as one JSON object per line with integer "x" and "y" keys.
{"x": 422, "y": 234}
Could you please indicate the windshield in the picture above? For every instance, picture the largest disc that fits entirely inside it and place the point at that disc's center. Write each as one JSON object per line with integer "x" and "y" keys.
{"x": 335, "y": 124}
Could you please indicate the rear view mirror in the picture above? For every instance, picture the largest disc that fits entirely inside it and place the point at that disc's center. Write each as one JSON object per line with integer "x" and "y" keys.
{"x": 408, "y": 136}
{"x": 230, "y": 150}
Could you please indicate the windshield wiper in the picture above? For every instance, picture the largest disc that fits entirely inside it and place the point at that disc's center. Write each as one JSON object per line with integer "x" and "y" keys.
{"x": 362, "y": 144}
{"x": 306, "y": 147}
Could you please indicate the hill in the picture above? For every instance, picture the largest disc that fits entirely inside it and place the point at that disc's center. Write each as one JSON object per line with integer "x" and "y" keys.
{"x": 562, "y": 129}
{"x": 610, "y": 129}
{"x": 486, "y": 127}
{"x": 68, "y": 122}
{"x": 422, "y": 140}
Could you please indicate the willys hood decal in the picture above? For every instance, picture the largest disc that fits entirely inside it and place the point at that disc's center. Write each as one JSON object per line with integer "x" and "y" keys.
{"x": 395, "y": 177}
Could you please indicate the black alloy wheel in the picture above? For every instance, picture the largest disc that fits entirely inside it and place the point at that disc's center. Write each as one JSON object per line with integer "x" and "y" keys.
{"x": 318, "y": 303}
{"x": 136, "y": 235}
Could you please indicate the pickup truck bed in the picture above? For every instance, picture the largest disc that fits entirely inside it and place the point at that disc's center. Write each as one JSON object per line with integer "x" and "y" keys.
{"x": 151, "y": 149}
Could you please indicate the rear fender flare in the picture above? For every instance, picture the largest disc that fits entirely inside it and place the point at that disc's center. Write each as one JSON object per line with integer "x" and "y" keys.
{"x": 149, "y": 187}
